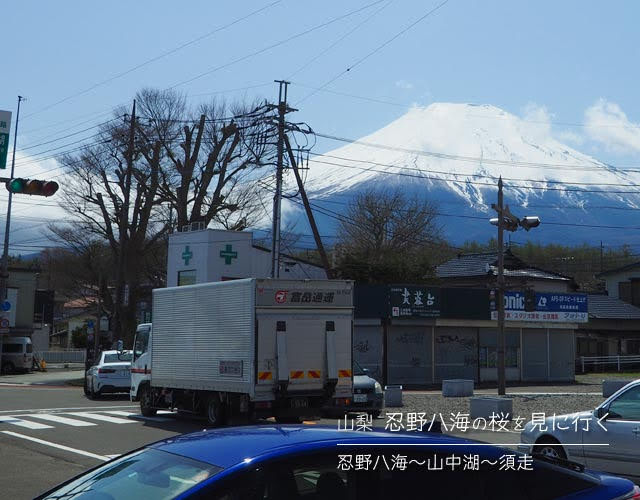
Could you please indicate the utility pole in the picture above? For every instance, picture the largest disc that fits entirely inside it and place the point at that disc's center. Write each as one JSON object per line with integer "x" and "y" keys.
{"x": 307, "y": 208}
{"x": 96, "y": 332}
{"x": 500, "y": 294}
{"x": 601, "y": 251}
{"x": 505, "y": 220}
{"x": 4, "y": 271}
{"x": 283, "y": 109}
{"x": 123, "y": 235}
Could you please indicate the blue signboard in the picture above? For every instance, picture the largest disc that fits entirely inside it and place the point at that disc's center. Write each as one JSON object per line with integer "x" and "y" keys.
{"x": 550, "y": 307}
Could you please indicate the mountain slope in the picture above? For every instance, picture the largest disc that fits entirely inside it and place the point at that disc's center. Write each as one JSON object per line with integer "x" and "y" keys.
{"x": 454, "y": 154}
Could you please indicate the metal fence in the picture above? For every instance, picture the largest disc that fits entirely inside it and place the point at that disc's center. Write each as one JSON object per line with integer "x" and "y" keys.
{"x": 607, "y": 363}
{"x": 69, "y": 356}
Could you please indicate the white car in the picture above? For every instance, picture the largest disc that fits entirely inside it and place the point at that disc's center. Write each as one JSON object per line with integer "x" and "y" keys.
{"x": 111, "y": 374}
{"x": 605, "y": 439}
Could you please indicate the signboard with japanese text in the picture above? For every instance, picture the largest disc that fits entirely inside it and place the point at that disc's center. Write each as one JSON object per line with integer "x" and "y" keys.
{"x": 550, "y": 307}
{"x": 414, "y": 301}
{"x": 5, "y": 126}
{"x": 312, "y": 293}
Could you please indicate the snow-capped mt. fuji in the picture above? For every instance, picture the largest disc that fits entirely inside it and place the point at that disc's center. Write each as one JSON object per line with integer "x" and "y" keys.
{"x": 454, "y": 154}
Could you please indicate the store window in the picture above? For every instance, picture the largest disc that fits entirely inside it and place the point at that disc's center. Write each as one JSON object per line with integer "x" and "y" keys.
{"x": 187, "y": 277}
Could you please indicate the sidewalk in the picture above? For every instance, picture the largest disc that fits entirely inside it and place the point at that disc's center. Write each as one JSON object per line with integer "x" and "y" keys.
{"x": 53, "y": 376}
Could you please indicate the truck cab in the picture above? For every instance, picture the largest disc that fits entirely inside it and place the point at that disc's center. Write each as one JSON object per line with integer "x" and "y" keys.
{"x": 141, "y": 363}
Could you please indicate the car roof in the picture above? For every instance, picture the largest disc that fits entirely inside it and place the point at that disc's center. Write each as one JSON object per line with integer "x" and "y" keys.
{"x": 126, "y": 351}
{"x": 227, "y": 447}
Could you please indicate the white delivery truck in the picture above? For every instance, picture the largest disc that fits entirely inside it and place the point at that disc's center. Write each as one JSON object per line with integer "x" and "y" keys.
{"x": 246, "y": 348}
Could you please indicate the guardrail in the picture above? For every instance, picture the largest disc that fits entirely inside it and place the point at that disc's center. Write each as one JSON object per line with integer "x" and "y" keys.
{"x": 607, "y": 362}
{"x": 70, "y": 356}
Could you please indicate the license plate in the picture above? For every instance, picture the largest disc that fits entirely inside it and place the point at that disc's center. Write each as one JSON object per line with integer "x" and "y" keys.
{"x": 359, "y": 398}
{"x": 299, "y": 403}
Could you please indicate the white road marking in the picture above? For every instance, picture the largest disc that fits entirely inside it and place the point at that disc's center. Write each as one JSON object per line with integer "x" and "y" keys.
{"x": 138, "y": 416}
{"x": 103, "y": 418}
{"x": 61, "y": 420}
{"x": 56, "y": 445}
{"x": 49, "y": 410}
{"x": 24, "y": 423}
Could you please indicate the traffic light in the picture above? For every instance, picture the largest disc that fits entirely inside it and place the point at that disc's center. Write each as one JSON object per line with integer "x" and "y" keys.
{"x": 529, "y": 300}
{"x": 32, "y": 187}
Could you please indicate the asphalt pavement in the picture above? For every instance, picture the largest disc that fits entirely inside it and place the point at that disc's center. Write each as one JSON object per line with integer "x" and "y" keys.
{"x": 50, "y": 431}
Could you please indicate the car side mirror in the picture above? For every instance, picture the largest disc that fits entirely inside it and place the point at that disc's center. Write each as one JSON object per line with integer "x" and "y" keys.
{"x": 600, "y": 412}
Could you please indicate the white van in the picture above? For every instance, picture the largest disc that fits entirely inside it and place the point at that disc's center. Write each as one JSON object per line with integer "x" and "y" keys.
{"x": 17, "y": 354}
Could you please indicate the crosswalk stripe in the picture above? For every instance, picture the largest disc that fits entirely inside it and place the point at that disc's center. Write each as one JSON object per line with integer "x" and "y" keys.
{"x": 103, "y": 418}
{"x": 62, "y": 420}
{"x": 24, "y": 423}
{"x": 121, "y": 413}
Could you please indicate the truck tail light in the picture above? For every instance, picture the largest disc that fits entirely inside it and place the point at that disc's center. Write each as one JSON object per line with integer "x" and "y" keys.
{"x": 262, "y": 404}
{"x": 106, "y": 370}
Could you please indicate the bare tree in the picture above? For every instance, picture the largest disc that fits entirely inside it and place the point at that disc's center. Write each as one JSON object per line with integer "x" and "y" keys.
{"x": 111, "y": 192}
{"x": 210, "y": 173}
{"x": 387, "y": 236}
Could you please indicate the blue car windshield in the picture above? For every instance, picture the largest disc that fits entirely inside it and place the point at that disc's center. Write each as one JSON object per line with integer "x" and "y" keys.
{"x": 148, "y": 473}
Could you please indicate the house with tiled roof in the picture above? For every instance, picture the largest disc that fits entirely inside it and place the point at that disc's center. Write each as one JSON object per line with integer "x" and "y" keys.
{"x": 481, "y": 270}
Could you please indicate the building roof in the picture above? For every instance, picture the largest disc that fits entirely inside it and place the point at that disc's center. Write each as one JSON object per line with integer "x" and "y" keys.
{"x": 605, "y": 307}
{"x": 486, "y": 264}
{"x": 628, "y": 267}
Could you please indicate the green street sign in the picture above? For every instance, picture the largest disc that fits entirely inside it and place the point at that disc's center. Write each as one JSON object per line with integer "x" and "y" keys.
{"x": 5, "y": 126}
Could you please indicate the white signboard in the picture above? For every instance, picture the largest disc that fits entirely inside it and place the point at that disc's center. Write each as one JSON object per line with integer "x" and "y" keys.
{"x": 545, "y": 316}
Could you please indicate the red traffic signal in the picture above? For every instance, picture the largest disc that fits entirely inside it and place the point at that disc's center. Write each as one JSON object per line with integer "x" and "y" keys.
{"x": 32, "y": 187}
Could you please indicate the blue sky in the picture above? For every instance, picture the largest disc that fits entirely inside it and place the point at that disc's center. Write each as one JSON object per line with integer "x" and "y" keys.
{"x": 573, "y": 63}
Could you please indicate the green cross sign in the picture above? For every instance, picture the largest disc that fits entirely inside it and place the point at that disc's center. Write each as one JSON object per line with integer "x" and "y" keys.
{"x": 227, "y": 254}
{"x": 186, "y": 255}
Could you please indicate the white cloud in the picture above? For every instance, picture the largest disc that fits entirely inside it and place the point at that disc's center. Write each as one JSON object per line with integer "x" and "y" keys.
{"x": 570, "y": 137}
{"x": 404, "y": 85}
{"x": 538, "y": 120}
{"x": 607, "y": 124}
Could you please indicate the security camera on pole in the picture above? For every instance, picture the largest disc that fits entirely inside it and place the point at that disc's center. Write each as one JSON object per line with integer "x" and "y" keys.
{"x": 505, "y": 221}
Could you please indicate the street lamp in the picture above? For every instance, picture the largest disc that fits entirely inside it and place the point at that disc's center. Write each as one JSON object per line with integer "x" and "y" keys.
{"x": 505, "y": 221}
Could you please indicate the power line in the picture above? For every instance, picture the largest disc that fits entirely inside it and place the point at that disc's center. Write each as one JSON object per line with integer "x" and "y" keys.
{"x": 327, "y": 49}
{"x": 474, "y": 159}
{"x": 156, "y": 58}
{"x": 376, "y": 50}
{"x": 277, "y": 44}
{"x": 476, "y": 183}
{"x": 483, "y": 176}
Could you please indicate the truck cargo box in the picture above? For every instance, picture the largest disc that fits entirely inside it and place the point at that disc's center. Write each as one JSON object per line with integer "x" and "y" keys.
{"x": 259, "y": 337}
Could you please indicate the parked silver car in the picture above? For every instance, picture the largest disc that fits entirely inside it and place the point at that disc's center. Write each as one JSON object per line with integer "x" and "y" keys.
{"x": 111, "y": 374}
{"x": 605, "y": 439}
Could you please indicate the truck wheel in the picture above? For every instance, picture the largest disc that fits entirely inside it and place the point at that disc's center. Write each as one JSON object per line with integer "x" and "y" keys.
{"x": 215, "y": 411}
{"x": 146, "y": 407}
